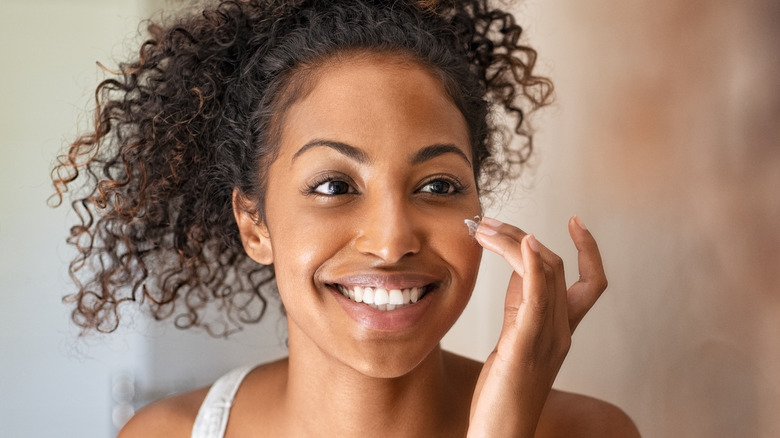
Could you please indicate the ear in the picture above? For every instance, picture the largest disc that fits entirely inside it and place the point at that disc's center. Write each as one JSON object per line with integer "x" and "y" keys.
{"x": 254, "y": 233}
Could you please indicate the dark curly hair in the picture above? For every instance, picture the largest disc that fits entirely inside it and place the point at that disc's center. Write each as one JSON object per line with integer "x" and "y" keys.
{"x": 198, "y": 115}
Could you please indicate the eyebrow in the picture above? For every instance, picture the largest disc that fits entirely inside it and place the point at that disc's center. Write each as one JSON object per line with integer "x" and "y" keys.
{"x": 343, "y": 148}
{"x": 436, "y": 150}
{"x": 425, "y": 154}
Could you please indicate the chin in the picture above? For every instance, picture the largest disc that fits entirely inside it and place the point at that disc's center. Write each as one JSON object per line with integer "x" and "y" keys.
{"x": 391, "y": 364}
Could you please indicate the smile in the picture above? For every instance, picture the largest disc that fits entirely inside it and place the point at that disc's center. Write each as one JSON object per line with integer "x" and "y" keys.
{"x": 383, "y": 299}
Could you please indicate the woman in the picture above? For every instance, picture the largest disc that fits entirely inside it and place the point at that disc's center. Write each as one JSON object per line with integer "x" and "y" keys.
{"x": 331, "y": 150}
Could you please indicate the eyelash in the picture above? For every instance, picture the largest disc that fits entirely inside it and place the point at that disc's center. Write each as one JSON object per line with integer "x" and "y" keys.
{"x": 457, "y": 186}
{"x": 311, "y": 188}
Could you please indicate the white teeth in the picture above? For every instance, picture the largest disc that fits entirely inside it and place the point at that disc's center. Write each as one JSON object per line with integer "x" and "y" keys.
{"x": 380, "y": 298}
{"x": 395, "y": 297}
{"x": 414, "y": 294}
{"x": 368, "y": 295}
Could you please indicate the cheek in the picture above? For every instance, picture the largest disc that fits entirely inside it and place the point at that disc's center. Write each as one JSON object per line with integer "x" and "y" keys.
{"x": 300, "y": 247}
{"x": 453, "y": 242}
{"x": 297, "y": 256}
{"x": 302, "y": 242}
{"x": 470, "y": 256}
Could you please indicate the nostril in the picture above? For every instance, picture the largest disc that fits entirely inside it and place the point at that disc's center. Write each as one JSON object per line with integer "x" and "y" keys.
{"x": 391, "y": 244}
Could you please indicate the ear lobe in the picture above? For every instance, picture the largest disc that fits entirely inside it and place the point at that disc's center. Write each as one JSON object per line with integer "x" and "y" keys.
{"x": 254, "y": 233}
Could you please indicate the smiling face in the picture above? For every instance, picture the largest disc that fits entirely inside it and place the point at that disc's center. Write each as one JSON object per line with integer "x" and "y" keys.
{"x": 364, "y": 207}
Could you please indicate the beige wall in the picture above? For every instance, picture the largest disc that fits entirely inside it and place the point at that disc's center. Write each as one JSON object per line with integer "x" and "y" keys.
{"x": 665, "y": 139}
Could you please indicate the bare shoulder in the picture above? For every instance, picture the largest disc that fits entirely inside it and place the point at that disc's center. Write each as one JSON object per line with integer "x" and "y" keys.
{"x": 171, "y": 417}
{"x": 565, "y": 415}
{"x": 574, "y": 415}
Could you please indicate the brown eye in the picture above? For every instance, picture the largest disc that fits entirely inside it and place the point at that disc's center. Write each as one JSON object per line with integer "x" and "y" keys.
{"x": 332, "y": 188}
{"x": 438, "y": 187}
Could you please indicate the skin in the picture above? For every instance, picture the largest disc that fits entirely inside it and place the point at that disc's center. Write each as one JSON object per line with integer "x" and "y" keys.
{"x": 370, "y": 187}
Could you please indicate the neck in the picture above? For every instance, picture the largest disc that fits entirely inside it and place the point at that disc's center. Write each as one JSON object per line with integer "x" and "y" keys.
{"x": 327, "y": 395}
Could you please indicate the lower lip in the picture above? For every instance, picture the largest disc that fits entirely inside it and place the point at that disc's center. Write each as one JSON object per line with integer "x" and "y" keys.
{"x": 385, "y": 320}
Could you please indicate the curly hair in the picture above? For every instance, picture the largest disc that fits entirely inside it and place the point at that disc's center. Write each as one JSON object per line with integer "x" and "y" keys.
{"x": 197, "y": 115}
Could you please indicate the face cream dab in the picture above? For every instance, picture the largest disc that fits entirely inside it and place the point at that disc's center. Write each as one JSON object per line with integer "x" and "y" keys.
{"x": 472, "y": 225}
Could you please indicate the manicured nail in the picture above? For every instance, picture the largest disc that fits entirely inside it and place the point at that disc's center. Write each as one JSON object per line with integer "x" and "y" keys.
{"x": 533, "y": 243}
{"x": 489, "y": 221}
{"x": 579, "y": 222}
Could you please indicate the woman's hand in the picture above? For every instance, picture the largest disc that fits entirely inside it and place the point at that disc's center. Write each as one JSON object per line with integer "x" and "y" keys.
{"x": 540, "y": 314}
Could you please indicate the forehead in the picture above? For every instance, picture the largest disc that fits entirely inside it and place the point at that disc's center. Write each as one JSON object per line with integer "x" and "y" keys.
{"x": 375, "y": 100}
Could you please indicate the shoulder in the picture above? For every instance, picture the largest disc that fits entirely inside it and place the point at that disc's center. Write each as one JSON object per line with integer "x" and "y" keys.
{"x": 565, "y": 415}
{"x": 574, "y": 415}
{"x": 171, "y": 417}
{"x": 175, "y": 416}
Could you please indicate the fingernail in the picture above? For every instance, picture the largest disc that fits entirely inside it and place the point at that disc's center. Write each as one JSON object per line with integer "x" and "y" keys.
{"x": 579, "y": 222}
{"x": 533, "y": 243}
{"x": 491, "y": 222}
{"x": 485, "y": 229}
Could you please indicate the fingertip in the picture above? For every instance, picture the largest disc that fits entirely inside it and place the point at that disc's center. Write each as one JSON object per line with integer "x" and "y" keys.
{"x": 579, "y": 231}
{"x": 579, "y": 222}
{"x": 484, "y": 240}
{"x": 491, "y": 222}
{"x": 494, "y": 241}
{"x": 576, "y": 225}
{"x": 531, "y": 253}
{"x": 533, "y": 243}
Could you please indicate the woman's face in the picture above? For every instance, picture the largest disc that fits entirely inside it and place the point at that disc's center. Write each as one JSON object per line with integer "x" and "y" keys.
{"x": 369, "y": 191}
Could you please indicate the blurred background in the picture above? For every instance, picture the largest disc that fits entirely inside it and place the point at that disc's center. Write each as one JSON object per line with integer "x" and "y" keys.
{"x": 664, "y": 138}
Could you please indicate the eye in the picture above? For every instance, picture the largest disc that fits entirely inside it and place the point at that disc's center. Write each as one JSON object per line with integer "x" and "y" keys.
{"x": 329, "y": 185}
{"x": 439, "y": 187}
{"x": 442, "y": 186}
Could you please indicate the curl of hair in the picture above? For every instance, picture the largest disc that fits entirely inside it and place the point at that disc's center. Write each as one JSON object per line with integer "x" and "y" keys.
{"x": 197, "y": 115}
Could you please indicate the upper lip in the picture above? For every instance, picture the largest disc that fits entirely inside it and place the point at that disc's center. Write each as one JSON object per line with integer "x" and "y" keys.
{"x": 388, "y": 280}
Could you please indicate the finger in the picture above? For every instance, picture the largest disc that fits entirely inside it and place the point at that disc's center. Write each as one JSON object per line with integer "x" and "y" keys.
{"x": 537, "y": 301}
{"x": 548, "y": 256}
{"x": 582, "y": 295}
{"x": 556, "y": 321}
{"x": 504, "y": 241}
{"x": 560, "y": 317}
{"x": 556, "y": 286}
{"x": 527, "y": 299}
{"x": 510, "y": 230}
{"x": 555, "y": 278}
{"x": 511, "y": 250}
{"x": 543, "y": 298}
{"x": 550, "y": 303}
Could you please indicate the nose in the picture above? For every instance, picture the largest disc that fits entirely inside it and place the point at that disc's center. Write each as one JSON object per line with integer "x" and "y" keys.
{"x": 388, "y": 230}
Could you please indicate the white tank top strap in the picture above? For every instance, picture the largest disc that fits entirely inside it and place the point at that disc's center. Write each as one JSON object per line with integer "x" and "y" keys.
{"x": 213, "y": 414}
